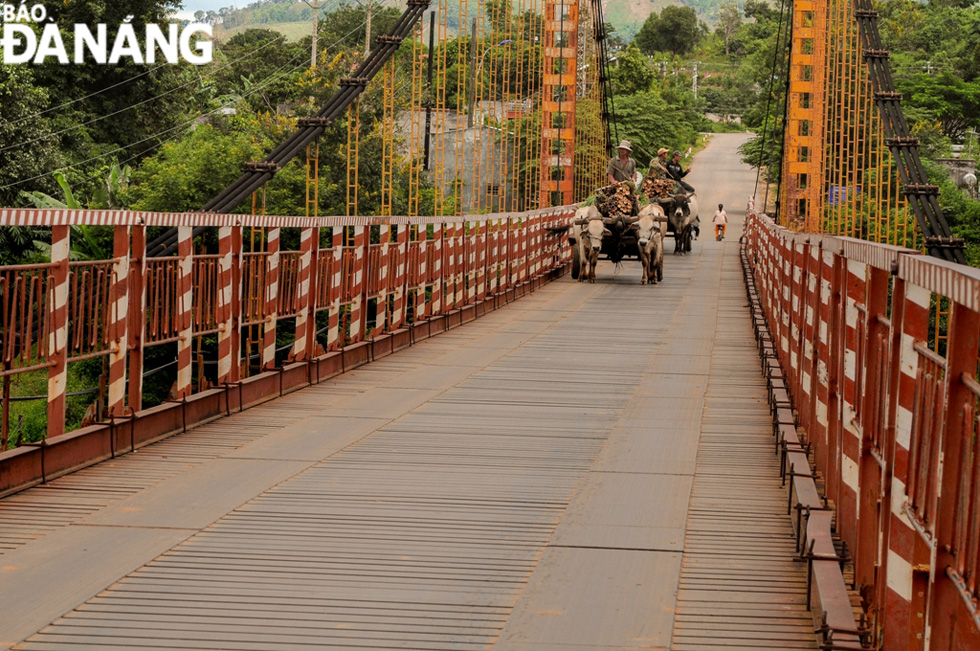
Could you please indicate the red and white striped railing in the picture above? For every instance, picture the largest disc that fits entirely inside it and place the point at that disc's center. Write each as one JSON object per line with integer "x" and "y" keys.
{"x": 893, "y": 422}
{"x": 374, "y": 276}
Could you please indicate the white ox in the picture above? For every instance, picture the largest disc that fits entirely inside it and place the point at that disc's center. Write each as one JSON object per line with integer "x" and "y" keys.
{"x": 588, "y": 222}
{"x": 650, "y": 242}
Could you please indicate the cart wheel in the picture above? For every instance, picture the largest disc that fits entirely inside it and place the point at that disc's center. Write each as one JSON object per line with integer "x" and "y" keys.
{"x": 576, "y": 262}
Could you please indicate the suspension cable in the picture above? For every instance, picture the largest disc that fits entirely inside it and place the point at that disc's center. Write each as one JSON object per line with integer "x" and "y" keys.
{"x": 765, "y": 124}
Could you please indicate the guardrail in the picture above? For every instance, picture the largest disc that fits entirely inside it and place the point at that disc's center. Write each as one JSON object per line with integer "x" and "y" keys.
{"x": 363, "y": 288}
{"x": 879, "y": 349}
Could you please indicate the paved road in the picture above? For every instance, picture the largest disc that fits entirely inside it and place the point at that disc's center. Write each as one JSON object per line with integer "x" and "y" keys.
{"x": 589, "y": 467}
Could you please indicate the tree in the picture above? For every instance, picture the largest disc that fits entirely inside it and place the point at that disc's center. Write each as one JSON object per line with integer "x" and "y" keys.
{"x": 259, "y": 56}
{"x": 729, "y": 21}
{"x": 186, "y": 174}
{"x": 633, "y": 73}
{"x": 759, "y": 10}
{"x": 676, "y": 29}
{"x": 144, "y": 100}
{"x": 25, "y": 145}
{"x": 649, "y": 122}
{"x": 954, "y": 103}
{"x": 648, "y": 38}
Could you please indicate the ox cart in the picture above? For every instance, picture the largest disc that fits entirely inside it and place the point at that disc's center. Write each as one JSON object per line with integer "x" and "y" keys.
{"x": 617, "y": 238}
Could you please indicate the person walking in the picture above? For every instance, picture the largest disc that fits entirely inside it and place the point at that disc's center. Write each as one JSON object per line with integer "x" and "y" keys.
{"x": 622, "y": 167}
{"x": 678, "y": 173}
{"x": 720, "y": 220}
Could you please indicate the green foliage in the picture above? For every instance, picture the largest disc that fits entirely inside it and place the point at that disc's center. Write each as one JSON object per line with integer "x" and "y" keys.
{"x": 962, "y": 213}
{"x": 947, "y": 98}
{"x": 649, "y": 122}
{"x": 252, "y": 57}
{"x": 185, "y": 174}
{"x": 729, "y": 21}
{"x": 676, "y": 30}
{"x": 21, "y": 101}
{"x": 633, "y": 72}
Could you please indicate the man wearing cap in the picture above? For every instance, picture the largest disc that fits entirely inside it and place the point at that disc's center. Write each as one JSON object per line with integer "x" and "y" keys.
{"x": 622, "y": 167}
{"x": 677, "y": 172}
{"x": 657, "y": 182}
{"x": 658, "y": 166}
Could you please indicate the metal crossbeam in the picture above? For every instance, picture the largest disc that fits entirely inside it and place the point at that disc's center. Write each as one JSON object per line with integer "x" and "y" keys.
{"x": 921, "y": 195}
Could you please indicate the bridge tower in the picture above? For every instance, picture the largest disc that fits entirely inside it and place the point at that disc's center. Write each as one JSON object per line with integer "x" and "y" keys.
{"x": 558, "y": 102}
{"x": 803, "y": 139}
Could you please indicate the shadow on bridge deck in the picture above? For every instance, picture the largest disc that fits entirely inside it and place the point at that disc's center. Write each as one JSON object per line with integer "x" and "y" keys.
{"x": 590, "y": 467}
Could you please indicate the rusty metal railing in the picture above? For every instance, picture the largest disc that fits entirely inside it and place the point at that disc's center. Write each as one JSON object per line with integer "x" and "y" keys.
{"x": 890, "y": 424}
{"x": 60, "y": 312}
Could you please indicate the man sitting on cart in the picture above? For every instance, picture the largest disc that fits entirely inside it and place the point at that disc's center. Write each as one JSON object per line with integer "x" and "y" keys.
{"x": 658, "y": 182}
{"x": 622, "y": 167}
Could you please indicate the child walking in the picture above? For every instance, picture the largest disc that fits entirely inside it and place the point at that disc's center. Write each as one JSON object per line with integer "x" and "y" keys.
{"x": 720, "y": 220}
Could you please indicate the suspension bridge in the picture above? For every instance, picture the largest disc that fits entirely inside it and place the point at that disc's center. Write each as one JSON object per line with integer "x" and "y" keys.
{"x": 418, "y": 432}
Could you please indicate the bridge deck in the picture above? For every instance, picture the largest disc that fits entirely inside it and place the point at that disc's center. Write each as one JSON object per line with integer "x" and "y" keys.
{"x": 590, "y": 467}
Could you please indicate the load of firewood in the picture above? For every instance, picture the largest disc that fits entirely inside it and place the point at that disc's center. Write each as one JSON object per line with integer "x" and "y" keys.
{"x": 654, "y": 188}
{"x": 617, "y": 200}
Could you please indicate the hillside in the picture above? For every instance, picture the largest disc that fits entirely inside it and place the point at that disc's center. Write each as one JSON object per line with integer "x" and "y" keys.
{"x": 290, "y": 17}
{"x": 293, "y": 31}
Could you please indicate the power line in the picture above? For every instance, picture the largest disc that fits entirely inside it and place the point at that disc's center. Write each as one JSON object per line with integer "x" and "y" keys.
{"x": 146, "y": 101}
{"x": 160, "y": 133}
{"x": 104, "y": 90}
{"x": 257, "y": 88}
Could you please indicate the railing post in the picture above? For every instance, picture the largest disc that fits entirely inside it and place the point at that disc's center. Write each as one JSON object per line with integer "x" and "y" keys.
{"x": 953, "y": 517}
{"x": 513, "y": 253}
{"x": 306, "y": 292}
{"x": 477, "y": 255}
{"x": 462, "y": 265}
{"x": 449, "y": 265}
{"x": 58, "y": 337}
{"x": 493, "y": 281}
{"x": 797, "y": 310}
{"x": 855, "y": 367}
{"x": 541, "y": 249}
{"x": 137, "y": 316}
{"x": 905, "y": 622}
{"x": 806, "y": 401}
{"x": 230, "y": 336}
{"x": 271, "y": 300}
{"x": 867, "y": 555}
{"x": 334, "y": 340}
{"x": 185, "y": 303}
{"x": 358, "y": 318}
{"x": 523, "y": 237}
{"x": 120, "y": 316}
{"x": 401, "y": 277}
{"x": 438, "y": 272}
{"x": 383, "y": 273}
{"x": 422, "y": 237}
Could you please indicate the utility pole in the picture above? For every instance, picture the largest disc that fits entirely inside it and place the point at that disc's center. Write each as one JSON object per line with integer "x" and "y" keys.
{"x": 316, "y": 16}
{"x": 696, "y": 79}
{"x": 367, "y": 36}
{"x": 471, "y": 104}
